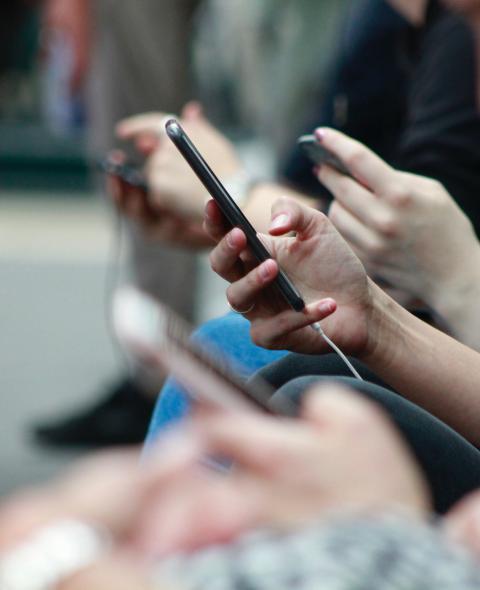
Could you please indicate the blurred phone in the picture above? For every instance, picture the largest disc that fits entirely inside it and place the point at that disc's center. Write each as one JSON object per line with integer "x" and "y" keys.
{"x": 154, "y": 335}
{"x": 229, "y": 208}
{"x": 320, "y": 155}
{"x": 127, "y": 172}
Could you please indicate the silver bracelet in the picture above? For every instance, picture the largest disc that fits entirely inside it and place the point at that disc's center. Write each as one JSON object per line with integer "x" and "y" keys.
{"x": 52, "y": 554}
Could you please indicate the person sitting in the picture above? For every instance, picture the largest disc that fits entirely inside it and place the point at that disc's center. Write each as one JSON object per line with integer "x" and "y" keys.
{"x": 412, "y": 144}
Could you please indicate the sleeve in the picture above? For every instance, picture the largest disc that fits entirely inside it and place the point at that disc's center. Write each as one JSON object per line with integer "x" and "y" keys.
{"x": 441, "y": 138}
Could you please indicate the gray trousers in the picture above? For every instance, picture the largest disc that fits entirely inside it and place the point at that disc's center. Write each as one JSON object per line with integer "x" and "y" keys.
{"x": 141, "y": 63}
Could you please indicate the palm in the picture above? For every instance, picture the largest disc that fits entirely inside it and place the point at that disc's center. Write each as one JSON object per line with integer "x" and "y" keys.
{"x": 320, "y": 265}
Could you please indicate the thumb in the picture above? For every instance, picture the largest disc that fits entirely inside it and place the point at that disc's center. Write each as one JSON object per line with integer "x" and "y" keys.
{"x": 290, "y": 216}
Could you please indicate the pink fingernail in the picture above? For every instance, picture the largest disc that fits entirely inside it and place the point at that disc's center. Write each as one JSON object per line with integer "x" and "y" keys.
{"x": 320, "y": 134}
{"x": 265, "y": 270}
{"x": 326, "y": 306}
{"x": 280, "y": 221}
{"x": 230, "y": 240}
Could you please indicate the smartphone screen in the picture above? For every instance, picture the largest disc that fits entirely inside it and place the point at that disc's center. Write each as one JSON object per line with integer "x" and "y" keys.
{"x": 320, "y": 155}
{"x": 229, "y": 208}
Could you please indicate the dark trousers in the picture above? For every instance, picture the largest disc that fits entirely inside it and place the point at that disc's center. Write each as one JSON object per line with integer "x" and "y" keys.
{"x": 450, "y": 463}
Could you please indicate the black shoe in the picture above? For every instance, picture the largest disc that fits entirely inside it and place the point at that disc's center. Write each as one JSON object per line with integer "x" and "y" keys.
{"x": 121, "y": 418}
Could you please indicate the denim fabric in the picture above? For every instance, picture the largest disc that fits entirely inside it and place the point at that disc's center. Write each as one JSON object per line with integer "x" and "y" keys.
{"x": 229, "y": 335}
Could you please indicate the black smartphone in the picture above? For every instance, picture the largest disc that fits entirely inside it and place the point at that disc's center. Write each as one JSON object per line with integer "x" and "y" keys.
{"x": 229, "y": 208}
{"x": 320, "y": 155}
{"x": 128, "y": 173}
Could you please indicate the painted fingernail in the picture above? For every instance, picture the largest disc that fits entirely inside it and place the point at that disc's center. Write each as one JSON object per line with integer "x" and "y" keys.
{"x": 320, "y": 134}
{"x": 265, "y": 270}
{"x": 327, "y": 306}
{"x": 230, "y": 240}
{"x": 280, "y": 221}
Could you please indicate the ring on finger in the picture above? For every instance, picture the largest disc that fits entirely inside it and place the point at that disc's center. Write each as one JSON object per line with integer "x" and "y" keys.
{"x": 241, "y": 311}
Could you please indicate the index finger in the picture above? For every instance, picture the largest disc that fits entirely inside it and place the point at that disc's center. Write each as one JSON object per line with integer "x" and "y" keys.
{"x": 144, "y": 123}
{"x": 364, "y": 165}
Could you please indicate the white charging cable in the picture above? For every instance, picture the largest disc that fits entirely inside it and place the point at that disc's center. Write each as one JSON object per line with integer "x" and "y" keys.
{"x": 318, "y": 328}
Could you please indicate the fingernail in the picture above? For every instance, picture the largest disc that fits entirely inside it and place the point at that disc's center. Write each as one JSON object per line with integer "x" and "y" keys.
{"x": 280, "y": 221}
{"x": 326, "y": 306}
{"x": 320, "y": 134}
{"x": 265, "y": 270}
{"x": 230, "y": 240}
{"x": 316, "y": 170}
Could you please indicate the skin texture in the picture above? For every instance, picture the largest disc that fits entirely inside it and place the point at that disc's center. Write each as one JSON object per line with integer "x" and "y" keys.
{"x": 408, "y": 231}
{"x": 173, "y": 503}
{"x": 425, "y": 365}
{"x": 176, "y": 199}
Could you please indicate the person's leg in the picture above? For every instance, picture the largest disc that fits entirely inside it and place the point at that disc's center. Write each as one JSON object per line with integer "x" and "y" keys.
{"x": 229, "y": 339}
{"x": 295, "y": 365}
{"x": 450, "y": 463}
{"x": 139, "y": 63}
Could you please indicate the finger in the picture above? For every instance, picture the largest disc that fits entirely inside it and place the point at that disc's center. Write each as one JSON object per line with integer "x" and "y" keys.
{"x": 462, "y": 523}
{"x": 147, "y": 143}
{"x": 192, "y": 111}
{"x": 363, "y": 164}
{"x": 329, "y": 405}
{"x": 355, "y": 232}
{"x": 254, "y": 442}
{"x": 215, "y": 224}
{"x": 273, "y": 332}
{"x": 139, "y": 124}
{"x": 224, "y": 258}
{"x": 288, "y": 215}
{"x": 242, "y": 293}
{"x": 366, "y": 207}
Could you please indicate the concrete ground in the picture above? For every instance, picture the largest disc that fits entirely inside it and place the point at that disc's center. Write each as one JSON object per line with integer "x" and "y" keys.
{"x": 55, "y": 349}
{"x": 57, "y": 263}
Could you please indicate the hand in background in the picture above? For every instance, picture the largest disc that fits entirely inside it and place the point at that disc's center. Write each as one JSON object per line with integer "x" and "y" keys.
{"x": 161, "y": 225}
{"x": 406, "y": 229}
{"x": 173, "y": 185}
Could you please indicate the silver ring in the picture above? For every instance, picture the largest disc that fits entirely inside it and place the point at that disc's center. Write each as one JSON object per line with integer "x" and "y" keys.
{"x": 241, "y": 312}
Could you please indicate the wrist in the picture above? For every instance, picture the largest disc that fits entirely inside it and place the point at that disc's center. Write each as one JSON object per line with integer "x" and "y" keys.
{"x": 456, "y": 298}
{"x": 384, "y": 325}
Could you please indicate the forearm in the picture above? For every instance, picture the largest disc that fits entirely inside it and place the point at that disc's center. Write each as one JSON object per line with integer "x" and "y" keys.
{"x": 261, "y": 198}
{"x": 425, "y": 365}
{"x": 457, "y": 303}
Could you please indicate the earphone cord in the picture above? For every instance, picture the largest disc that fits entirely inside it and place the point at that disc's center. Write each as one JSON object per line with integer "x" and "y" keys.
{"x": 318, "y": 328}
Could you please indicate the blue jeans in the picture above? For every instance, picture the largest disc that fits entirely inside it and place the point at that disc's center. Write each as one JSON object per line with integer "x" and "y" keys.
{"x": 230, "y": 337}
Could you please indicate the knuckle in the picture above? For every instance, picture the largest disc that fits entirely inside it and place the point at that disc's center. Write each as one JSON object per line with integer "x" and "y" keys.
{"x": 258, "y": 336}
{"x": 355, "y": 159}
{"x": 232, "y": 298}
{"x": 213, "y": 259}
{"x": 400, "y": 195}
{"x": 377, "y": 250}
{"x": 388, "y": 225}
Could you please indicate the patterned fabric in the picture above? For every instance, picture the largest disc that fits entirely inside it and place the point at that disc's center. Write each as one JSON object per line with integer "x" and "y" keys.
{"x": 384, "y": 553}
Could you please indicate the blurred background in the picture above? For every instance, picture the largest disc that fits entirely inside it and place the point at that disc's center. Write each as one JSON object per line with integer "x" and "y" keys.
{"x": 69, "y": 69}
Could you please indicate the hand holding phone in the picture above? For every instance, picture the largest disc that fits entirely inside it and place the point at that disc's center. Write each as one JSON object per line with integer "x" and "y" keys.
{"x": 229, "y": 208}
{"x": 320, "y": 155}
{"x": 126, "y": 172}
